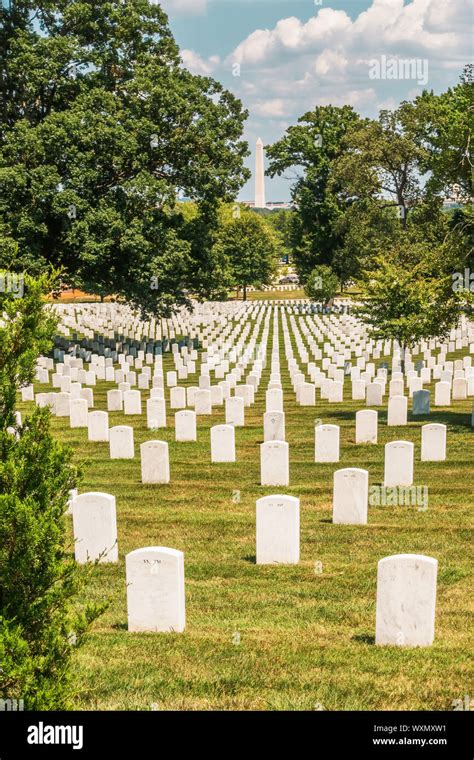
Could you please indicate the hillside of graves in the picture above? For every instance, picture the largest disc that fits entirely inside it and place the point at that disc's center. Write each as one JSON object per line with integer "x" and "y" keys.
{"x": 279, "y": 514}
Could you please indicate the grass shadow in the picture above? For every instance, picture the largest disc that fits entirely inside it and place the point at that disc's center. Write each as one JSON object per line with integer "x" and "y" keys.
{"x": 364, "y": 638}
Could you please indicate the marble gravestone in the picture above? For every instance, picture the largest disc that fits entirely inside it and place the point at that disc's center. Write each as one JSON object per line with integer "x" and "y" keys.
{"x": 442, "y": 394}
{"x": 326, "y": 443}
{"x": 121, "y": 442}
{"x": 78, "y": 413}
{"x": 98, "y": 426}
{"x": 274, "y": 400}
{"x": 132, "y": 402}
{"x": 366, "y": 426}
{"x": 350, "y": 496}
{"x": 234, "y": 411}
{"x": 114, "y": 400}
{"x": 185, "y": 425}
{"x": 62, "y": 406}
{"x": 223, "y": 443}
{"x": 374, "y": 395}
{"x": 155, "y": 413}
{"x": 155, "y": 465}
{"x": 421, "y": 402}
{"x": 278, "y": 530}
{"x": 406, "y": 600}
{"x": 95, "y": 528}
{"x": 274, "y": 426}
{"x": 202, "y": 401}
{"x": 274, "y": 463}
{"x": 433, "y": 443}
{"x": 397, "y": 411}
{"x": 155, "y": 590}
{"x": 398, "y": 466}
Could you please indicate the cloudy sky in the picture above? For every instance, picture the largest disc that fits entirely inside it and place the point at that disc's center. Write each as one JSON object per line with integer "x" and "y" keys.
{"x": 284, "y": 57}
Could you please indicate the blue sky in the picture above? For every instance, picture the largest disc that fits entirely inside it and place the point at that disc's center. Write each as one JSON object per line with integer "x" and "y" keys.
{"x": 296, "y": 54}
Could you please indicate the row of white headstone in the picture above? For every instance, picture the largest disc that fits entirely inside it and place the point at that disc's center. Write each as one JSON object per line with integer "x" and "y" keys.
{"x": 406, "y": 583}
{"x": 398, "y": 462}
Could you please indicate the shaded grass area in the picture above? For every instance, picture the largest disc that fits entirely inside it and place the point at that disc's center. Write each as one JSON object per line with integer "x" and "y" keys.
{"x": 306, "y": 637}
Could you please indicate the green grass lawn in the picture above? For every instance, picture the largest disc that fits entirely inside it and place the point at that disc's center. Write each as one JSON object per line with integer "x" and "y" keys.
{"x": 306, "y": 637}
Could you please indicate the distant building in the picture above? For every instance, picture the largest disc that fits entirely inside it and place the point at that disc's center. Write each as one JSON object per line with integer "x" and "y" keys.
{"x": 455, "y": 198}
{"x": 271, "y": 205}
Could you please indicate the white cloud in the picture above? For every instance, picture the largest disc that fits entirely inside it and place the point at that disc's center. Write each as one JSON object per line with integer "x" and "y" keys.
{"x": 198, "y": 65}
{"x": 274, "y": 108}
{"x": 191, "y": 7}
{"x": 296, "y": 65}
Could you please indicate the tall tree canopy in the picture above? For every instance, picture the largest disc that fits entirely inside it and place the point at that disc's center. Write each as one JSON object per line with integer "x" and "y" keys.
{"x": 102, "y": 129}
{"x": 310, "y": 148}
{"x": 443, "y": 125}
{"x": 248, "y": 248}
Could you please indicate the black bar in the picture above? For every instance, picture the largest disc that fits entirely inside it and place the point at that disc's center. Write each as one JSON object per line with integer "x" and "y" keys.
{"x": 110, "y": 734}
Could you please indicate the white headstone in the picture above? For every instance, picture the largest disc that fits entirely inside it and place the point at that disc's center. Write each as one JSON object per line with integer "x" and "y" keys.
{"x": 307, "y": 394}
{"x": 433, "y": 443}
{"x": 63, "y": 403}
{"x": 185, "y": 425}
{"x": 202, "y": 401}
{"x": 155, "y": 590}
{"x": 397, "y": 411}
{"x": 350, "y": 496}
{"x": 274, "y": 463}
{"x": 95, "y": 527}
{"x": 278, "y": 530}
{"x": 234, "y": 411}
{"x": 366, "y": 426}
{"x": 78, "y": 413}
{"x": 121, "y": 442}
{"x": 155, "y": 413}
{"x": 177, "y": 397}
{"x": 155, "y": 462}
{"x": 98, "y": 426}
{"x": 443, "y": 394}
{"x": 274, "y": 426}
{"x": 114, "y": 400}
{"x": 406, "y": 600}
{"x": 132, "y": 402}
{"x": 274, "y": 400}
{"x": 326, "y": 443}
{"x": 223, "y": 443}
{"x": 374, "y": 395}
{"x": 398, "y": 463}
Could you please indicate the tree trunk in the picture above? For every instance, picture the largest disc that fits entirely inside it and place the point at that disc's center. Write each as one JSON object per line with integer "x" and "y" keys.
{"x": 245, "y": 293}
{"x": 402, "y": 357}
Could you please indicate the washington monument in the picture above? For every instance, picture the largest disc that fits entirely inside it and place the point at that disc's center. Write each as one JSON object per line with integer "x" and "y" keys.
{"x": 259, "y": 176}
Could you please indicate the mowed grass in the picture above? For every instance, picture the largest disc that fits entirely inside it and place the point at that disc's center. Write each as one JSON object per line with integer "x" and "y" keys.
{"x": 306, "y": 637}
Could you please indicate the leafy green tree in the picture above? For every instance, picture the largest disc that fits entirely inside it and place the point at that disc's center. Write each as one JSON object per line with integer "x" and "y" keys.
{"x": 102, "y": 130}
{"x": 381, "y": 163}
{"x": 309, "y": 150}
{"x": 41, "y": 622}
{"x": 283, "y": 222}
{"x": 409, "y": 295}
{"x": 443, "y": 125}
{"x": 250, "y": 248}
{"x": 322, "y": 285}
{"x": 365, "y": 230}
